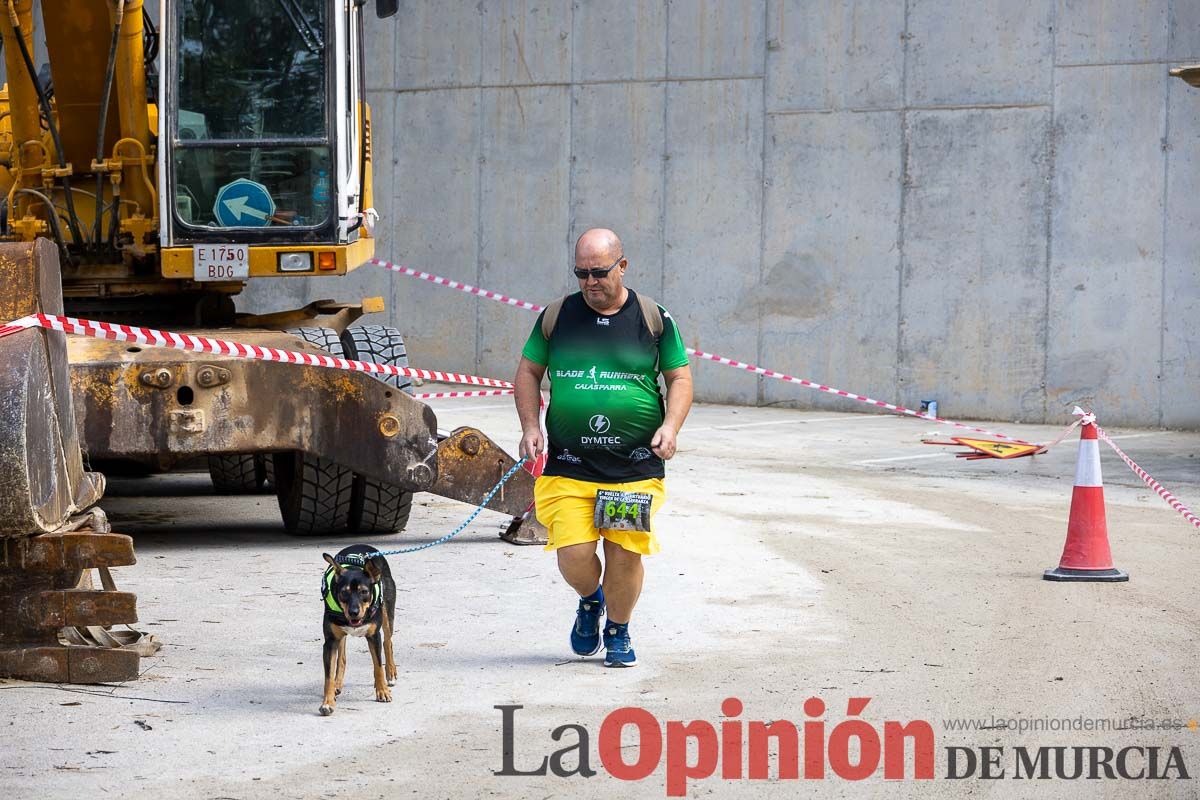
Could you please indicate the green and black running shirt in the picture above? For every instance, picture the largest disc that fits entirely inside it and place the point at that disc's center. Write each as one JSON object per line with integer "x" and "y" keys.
{"x": 605, "y": 403}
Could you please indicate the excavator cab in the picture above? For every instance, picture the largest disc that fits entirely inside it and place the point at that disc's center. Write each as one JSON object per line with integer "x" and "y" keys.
{"x": 263, "y": 140}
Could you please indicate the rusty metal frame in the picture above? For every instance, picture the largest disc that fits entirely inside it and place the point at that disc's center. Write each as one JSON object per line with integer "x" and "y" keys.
{"x": 162, "y": 407}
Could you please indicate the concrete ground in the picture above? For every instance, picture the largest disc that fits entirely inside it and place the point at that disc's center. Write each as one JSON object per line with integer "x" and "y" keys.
{"x": 806, "y": 554}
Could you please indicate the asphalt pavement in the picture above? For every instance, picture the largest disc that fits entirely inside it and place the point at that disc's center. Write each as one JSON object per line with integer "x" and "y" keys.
{"x": 806, "y": 555}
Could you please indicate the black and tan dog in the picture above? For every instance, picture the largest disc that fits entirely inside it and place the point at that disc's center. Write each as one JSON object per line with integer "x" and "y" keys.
{"x": 360, "y": 600}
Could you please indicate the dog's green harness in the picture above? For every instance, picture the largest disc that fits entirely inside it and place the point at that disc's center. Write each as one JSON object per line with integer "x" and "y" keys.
{"x": 331, "y": 601}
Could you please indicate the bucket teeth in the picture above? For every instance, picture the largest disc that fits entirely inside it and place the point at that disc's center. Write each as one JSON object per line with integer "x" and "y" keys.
{"x": 68, "y": 551}
{"x": 78, "y": 607}
{"x": 58, "y": 664}
{"x": 36, "y": 576}
{"x": 525, "y": 530}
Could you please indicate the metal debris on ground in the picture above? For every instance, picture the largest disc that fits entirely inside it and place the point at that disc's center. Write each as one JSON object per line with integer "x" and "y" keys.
{"x": 987, "y": 448}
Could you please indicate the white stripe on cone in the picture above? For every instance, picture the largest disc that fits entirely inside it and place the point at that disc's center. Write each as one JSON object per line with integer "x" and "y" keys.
{"x": 1087, "y": 468}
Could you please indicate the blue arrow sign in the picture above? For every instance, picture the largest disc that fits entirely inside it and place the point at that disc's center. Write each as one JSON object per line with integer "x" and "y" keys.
{"x": 243, "y": 204}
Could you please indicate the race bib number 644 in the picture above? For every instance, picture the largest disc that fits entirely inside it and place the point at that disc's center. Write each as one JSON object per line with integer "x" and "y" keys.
{"x": 622, "y": 511}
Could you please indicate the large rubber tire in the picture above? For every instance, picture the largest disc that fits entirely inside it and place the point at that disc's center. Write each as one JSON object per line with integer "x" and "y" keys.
{"x": 314, "y": 493}
{"x": 383, "y": 345}
{"x": 324, "y": 338}
{"x": 238, "y": 473}
{"x": 379, "y": 507}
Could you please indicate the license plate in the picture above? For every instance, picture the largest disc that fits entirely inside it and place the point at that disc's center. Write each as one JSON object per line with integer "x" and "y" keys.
{"x": 622, "y": 511}
{"x": 220, "y": 262}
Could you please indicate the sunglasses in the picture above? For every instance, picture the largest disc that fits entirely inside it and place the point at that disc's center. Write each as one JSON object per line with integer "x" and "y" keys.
{"x": 598, "y": 274}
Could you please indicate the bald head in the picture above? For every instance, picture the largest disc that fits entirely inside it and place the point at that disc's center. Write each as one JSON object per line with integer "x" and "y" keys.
{"x": 597, "y": 245}
{"x": 599, "y": 250}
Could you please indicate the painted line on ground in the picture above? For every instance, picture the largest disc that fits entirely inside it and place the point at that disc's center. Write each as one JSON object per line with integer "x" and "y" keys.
{"x": 740, "y": 425}
{"x": 898, "y": 458}
{"x": 1140, "y": 435}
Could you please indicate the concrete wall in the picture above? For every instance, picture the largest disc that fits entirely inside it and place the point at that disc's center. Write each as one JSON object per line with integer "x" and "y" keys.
{"x": 991, "y": 204}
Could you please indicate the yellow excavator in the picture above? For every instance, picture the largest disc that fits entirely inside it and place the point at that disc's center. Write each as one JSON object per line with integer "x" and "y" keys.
{"x": 159, "y": 161}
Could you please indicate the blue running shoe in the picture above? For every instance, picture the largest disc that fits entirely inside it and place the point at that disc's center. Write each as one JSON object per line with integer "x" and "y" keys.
{"x": 585, "y": 633}
{"x": 620, "y": 650}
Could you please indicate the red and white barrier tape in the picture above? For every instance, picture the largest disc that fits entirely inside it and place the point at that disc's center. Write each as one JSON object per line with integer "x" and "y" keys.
{"x": 5, "y": 330}
{"x": 462, "y": 287}
{"x": 203, "y": 344}
{"x": 729, "y": 362}
{"x": 1158, "y": 488}
{"x": 446, "y": 395}
{"x": 1084, "y": 417}
{"x": 840, "y": 393}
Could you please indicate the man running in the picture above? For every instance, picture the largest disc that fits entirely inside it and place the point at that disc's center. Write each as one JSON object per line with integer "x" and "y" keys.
{"x": 609, "y": 435}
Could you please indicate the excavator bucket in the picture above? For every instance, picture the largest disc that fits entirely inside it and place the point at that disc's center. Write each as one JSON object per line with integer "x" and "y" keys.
{"x": 45, "y": 542}
{"x": 42, "y": 479}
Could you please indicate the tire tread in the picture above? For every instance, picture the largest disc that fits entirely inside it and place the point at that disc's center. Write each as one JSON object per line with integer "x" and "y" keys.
{"x": 383, "y": 345}
{"x": 315, "y": 494}
{"x": 235, "y": 473}
{"x": 379, "y": 507}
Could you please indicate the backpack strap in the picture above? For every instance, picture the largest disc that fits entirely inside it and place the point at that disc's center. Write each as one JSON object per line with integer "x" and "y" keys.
{"x": 652, "y": 314}
{"x": 550, "y": 317}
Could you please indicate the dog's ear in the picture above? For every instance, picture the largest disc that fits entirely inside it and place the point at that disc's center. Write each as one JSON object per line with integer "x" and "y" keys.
{"x": 337, "y": 568}
{"x": 374, "y": 572}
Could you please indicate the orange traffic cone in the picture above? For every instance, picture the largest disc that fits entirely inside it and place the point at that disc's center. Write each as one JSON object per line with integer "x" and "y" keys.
{"x": 1086, "y": 556}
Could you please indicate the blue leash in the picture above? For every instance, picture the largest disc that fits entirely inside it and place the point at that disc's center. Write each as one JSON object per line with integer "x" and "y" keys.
{"x": 487, "y": 499}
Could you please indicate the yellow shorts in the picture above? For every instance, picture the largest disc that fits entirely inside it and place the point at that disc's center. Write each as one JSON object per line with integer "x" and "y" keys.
{"x": 565, "y": 506}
